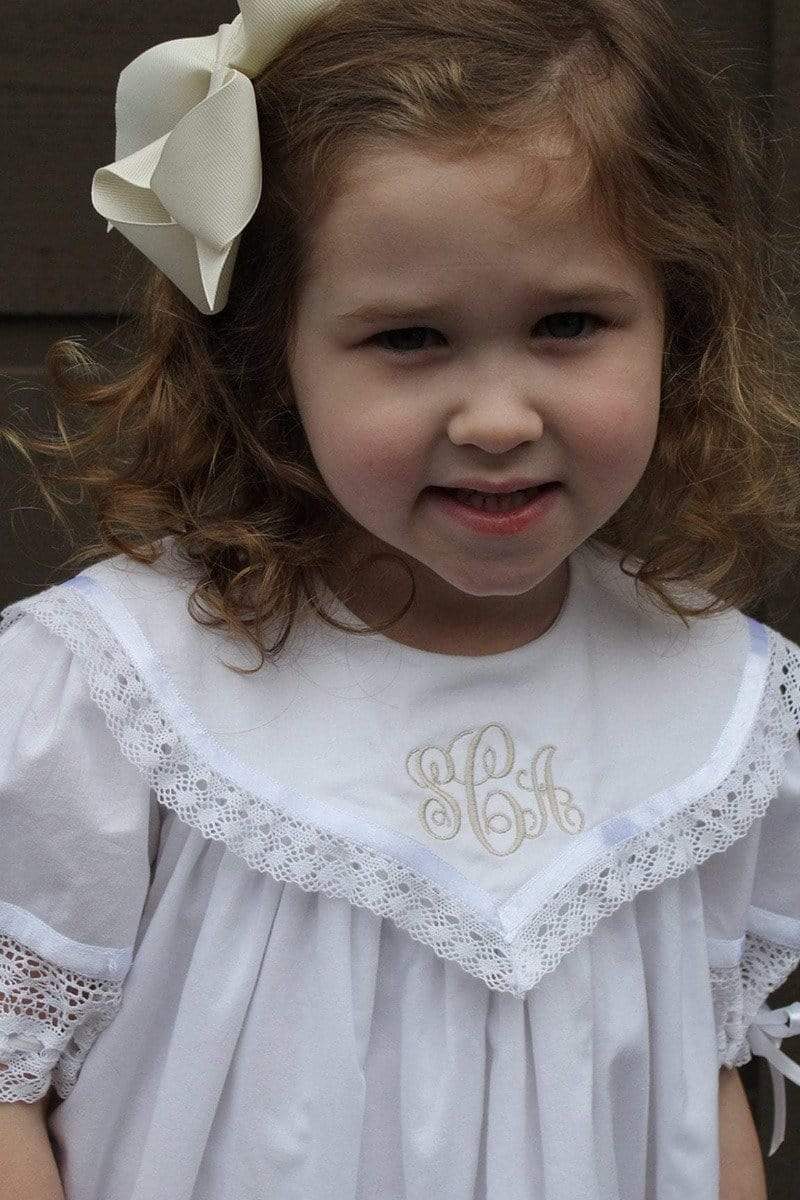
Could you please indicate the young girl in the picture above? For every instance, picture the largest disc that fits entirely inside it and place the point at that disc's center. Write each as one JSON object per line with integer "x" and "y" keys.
{"x": 476, "y": 884}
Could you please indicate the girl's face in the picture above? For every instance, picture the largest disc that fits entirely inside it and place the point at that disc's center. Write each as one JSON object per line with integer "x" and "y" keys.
{"x": 488, "y": 372}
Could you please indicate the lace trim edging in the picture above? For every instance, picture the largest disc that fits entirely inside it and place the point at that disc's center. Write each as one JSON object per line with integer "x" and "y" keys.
{"x": 272, "y": 840}
{"x": 739, "y": 992}
{"x": 49, "y": 1017}
{"x": 747, "y": 1026}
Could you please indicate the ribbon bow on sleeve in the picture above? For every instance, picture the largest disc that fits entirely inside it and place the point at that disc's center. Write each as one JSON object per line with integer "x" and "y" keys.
{"x": 187, "y": 176}
{"x": 765, "y": 1033}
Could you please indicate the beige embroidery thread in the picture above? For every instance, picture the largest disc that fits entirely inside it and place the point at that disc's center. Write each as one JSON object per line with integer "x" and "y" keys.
{"x": 432, "y": 768}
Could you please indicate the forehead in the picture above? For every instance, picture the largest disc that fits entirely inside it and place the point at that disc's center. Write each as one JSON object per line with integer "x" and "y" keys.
{"x": 398, "y": 210}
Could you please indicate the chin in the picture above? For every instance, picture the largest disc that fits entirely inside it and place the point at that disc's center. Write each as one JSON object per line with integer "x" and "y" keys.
{"x": 477, "y": 587}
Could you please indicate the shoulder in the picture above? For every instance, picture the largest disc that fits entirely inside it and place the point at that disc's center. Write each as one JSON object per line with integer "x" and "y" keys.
{"x": 120, "y": 603}
{"x": 74, "y": 658}
{"x": 665, "y": 671}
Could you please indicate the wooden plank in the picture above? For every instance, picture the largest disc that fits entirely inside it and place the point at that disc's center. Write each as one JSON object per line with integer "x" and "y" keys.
{"x": 66, "y": 45}
{"x": 24, "y": 340}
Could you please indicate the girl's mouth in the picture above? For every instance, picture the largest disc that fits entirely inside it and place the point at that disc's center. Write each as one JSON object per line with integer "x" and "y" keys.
{"x": 496, "y": 514}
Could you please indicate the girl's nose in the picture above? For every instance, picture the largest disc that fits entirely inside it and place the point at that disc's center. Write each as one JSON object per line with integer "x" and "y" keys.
{"x": 496, "y": 420}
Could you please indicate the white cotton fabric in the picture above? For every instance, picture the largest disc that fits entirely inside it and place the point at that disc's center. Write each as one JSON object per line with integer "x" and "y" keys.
{"x": 227, "y": 902}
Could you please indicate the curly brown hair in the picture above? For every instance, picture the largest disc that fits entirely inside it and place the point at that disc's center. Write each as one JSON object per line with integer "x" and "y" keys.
{"x": 198, "y": 440}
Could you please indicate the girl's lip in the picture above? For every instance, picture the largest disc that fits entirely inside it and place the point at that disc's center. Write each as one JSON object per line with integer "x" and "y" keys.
{"x": 497, "y": 524}
{"x": 495, "y": 489}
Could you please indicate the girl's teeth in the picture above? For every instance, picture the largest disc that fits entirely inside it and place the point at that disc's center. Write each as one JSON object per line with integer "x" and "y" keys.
{"x": 495, "y": 503}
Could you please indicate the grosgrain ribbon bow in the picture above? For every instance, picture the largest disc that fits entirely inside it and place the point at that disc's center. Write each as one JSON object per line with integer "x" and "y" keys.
{"x": 187, "y": 175}
{"x": 765, "y": 1034}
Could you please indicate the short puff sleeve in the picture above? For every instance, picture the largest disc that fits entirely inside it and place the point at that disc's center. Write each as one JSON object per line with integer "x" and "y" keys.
{"x": 78, "y": 837}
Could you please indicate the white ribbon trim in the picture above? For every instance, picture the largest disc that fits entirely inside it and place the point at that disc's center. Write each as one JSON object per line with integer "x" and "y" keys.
{"x": 765, "y": 1033}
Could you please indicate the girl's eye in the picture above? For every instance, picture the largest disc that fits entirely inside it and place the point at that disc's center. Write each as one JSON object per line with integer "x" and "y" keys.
{"x": 566, "y": 320}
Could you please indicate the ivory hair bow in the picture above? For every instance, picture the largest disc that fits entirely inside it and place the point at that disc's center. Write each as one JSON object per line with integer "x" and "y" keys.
{"x": 187, "y": 176}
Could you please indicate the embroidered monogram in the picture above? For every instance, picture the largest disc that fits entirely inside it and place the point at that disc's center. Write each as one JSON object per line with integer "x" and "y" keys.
{"x": 432, "y": 768}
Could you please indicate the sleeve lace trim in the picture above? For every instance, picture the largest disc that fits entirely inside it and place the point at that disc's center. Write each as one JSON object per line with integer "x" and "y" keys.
{"x": 49, "y": 1017}
{"x": 265, "y": 833}
{"x": 739, "y": 992}
{"x": 747, "y": 1026}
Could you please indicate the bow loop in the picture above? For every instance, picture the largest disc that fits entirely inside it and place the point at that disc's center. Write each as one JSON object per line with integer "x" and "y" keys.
{"x": 122, "y": 192}
{"x": 268, "y": 26}
{"x": 159, "y": 87}
{"x": 208, "y": 175}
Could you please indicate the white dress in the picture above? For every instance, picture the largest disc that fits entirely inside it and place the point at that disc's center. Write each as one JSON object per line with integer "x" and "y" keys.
{"x": 375, "y": 923}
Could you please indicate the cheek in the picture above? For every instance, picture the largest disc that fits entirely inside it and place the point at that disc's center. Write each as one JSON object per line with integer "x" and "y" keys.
{"x": 616, "y": 434}
{"x": 387, "y": 467}
{"x": 364, "y": 461}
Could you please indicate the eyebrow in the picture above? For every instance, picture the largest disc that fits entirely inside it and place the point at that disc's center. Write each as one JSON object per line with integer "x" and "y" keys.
{"x": 591, "y": 294}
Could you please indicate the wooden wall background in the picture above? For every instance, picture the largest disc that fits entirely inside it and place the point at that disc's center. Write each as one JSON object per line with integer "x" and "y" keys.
{"x": 61, "y": 274}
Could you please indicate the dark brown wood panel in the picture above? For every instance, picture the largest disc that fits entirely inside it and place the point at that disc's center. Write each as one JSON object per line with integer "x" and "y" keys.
{"x": 59, "y": 65}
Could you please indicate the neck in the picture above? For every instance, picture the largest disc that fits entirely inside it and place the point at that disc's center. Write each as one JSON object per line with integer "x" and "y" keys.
{"x": 441, "y": 619}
